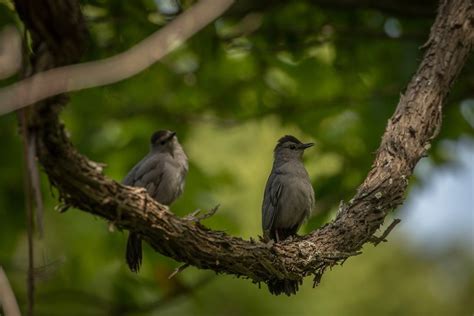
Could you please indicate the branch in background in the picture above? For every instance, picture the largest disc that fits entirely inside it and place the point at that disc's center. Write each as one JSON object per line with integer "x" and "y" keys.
{"x": 32, "y": 178}
{"x": 7, "y": 298}
{"x": 119, "y": 67}
{"x": 407, "y": 138}
{"x": 32, "y": 190}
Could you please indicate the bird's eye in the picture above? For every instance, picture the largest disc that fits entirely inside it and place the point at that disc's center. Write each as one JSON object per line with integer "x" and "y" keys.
{"x": 162, "y": 142}
{"x": 292, "y": 147}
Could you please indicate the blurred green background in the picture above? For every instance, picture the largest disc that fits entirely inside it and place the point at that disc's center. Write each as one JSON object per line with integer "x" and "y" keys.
{"x": 325, "y": 75}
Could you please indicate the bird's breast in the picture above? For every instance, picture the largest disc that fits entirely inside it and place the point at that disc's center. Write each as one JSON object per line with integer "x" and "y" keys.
{"x": 296, "y": 200}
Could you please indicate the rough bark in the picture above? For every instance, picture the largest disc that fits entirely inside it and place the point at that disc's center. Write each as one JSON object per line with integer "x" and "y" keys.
{"x": 406, "y": 140}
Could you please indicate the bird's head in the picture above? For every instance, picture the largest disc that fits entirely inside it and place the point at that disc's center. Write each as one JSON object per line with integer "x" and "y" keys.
{"x": 164, "y": 141}
{"x": 289, "y": 147}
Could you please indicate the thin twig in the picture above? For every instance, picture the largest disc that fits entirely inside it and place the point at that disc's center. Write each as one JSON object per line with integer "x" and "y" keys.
{"x": 377, "y": 240}
{"x": 33, "y": 173}
{"x": 30, "y": 280}
{"x": 195, "y": 217}
{"x": 178, "y": 270}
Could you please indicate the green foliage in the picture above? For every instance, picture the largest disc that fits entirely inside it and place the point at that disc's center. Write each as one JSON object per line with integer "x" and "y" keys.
{"x": 333, "y": 77}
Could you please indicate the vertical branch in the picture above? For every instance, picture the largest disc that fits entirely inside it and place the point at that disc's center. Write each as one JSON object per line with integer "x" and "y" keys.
{"x": 30, "y": 226}
{"x": 30, "y": 183}
{"x": 34, "y": 180}
{"x": 30, "y": 279}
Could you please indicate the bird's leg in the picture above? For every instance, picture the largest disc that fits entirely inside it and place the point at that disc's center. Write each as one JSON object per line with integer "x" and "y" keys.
{"x": 269, "y": 243}
{"x": 276, "y": 236}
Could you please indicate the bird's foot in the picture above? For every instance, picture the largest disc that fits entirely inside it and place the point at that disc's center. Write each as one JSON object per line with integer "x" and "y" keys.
{"x": 294, "y": 237}
{"x": 269, "y": 243}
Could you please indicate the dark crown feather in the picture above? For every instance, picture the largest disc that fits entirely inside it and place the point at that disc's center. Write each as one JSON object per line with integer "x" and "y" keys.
{"x": 288, "y": 138}
{"x": 158, "y": 135}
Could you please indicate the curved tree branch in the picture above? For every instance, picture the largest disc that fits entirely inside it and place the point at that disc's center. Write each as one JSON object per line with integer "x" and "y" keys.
{"x": 406, "y": 140}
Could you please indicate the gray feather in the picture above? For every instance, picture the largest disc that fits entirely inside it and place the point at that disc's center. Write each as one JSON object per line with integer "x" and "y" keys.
{"x": 271, "y": 198}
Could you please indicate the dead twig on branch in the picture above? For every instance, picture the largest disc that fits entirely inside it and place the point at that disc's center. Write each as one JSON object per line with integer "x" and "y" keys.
{"x": 196, "y": 216}
{"x": 377, "y": 240}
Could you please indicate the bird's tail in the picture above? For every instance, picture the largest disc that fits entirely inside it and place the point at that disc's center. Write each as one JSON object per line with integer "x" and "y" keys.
{"x": 288, "y": 287}
{"x": 133, "y": 254}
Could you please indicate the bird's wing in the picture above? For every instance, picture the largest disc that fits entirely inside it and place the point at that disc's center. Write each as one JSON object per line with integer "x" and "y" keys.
{"x": 146, "y": 171}
{"x": 271, "y": 198}
{"x": 130, "y": 177}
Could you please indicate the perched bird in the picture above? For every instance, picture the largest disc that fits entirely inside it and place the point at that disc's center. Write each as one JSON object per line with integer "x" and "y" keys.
{"x": 288, "y": 200}
{"x": 162, "y": 173}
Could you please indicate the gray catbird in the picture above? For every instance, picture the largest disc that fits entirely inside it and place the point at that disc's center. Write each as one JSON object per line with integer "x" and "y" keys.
{"x": 162, "y": 173}
{"x": 288, "y": 200}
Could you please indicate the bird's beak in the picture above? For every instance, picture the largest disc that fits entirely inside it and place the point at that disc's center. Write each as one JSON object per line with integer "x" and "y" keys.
{"x": 307, "y": 145}
{"x": 171, "y": 135}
